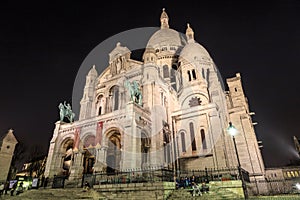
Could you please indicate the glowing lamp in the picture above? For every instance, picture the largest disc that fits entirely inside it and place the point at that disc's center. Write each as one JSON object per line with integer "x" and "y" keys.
{"x": 231, "y": 130}
{"x": 298, "y": 186}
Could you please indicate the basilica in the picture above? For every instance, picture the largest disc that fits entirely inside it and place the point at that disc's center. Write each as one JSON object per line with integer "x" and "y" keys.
{"x": 170, "y": 109}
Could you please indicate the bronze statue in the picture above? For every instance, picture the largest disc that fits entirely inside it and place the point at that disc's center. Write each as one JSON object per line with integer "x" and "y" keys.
{"x": 65, "y": 110}
{"x": 134, "y": 91}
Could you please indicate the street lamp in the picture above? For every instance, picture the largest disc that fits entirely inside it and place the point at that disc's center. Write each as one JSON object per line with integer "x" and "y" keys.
{"x": 233, "y": 132}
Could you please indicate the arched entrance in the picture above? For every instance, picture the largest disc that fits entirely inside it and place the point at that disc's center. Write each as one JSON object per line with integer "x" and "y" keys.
{"x": 67, "y": 150}
{"x": 145, "y": 149}
{"x": 113, "y": 156}
{"x": 89, "y": 155}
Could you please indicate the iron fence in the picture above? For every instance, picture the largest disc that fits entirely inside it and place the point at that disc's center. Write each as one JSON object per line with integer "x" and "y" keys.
{"x": 131, "y": 176}
{"x": 273, "y": 187}
{"x": 211, "y": 174}
{"x": 156, "y": 174}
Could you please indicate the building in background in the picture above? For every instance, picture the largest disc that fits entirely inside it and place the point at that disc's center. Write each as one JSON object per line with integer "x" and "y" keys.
{"x": 168, "y": 110}
{"x": 297, "y": 144}
{"x": 7, "y": 147}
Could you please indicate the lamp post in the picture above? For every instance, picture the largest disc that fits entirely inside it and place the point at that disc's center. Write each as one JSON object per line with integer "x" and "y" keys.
{"x": 232, "y": 131}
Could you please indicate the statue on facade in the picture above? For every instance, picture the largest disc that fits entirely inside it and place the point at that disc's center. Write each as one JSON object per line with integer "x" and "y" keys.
{"x": 65, "y": 110}
{"x": 134, "y": 91}
{"x": 118, "y": 65}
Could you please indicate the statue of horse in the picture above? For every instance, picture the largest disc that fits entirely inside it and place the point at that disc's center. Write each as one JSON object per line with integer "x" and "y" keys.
{"x": 66, "y": 111}
{"x": 134, "y": 91}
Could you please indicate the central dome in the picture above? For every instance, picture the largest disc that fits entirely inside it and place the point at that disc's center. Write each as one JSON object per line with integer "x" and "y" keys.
{"x": 166, "y": 37}
{"x": 194, "y": 51}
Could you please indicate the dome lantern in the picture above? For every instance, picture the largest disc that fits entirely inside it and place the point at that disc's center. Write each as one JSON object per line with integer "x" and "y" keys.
{"x": 189, "y": 34}
{"x": 164, "y": 19}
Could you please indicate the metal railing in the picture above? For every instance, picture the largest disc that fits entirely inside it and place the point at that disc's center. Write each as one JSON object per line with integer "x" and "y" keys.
{"x": 156, "y": 174}
{"x": 273, "y": 187}
{"x": 211, "y": 174}
{"x": 131, "y": 176}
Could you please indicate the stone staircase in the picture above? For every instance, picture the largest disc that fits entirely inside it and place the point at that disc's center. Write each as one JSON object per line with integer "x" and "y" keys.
{"x": 132, "y": 191}
{"x": 215, "y": 195}
{"x": 136, "y": 191}
{"x": 56, "y": 194}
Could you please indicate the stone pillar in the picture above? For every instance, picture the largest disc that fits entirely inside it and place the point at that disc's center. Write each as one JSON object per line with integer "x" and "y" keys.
{"x": 100, "y": 158}
{"x": 77, "y": 138}
{"x": 127, "y": 156}
{"x": 217, "y": 139}
{"x": 76, "y": 169}
{"x": 98, "y": 139}
{"x": 51, "y": 158}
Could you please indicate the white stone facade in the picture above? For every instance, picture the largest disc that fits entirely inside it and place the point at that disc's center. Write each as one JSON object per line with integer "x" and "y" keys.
{"x": 182, "y": 120}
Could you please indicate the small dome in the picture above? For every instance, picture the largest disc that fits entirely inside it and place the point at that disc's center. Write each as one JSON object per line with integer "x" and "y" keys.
{"x": 93, "y": 72}
{"x": 166, "y": 37}
{"x": 194, "y": 51}
{"x": 119, "y": 50}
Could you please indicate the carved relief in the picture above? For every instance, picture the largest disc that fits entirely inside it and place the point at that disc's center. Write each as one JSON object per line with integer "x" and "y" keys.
{"x": 195, "y": 101}
{"x": 118, "y": 65}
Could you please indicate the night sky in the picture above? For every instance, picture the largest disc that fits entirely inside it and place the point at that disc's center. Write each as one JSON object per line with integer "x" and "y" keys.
{"x": 42, "y": 46}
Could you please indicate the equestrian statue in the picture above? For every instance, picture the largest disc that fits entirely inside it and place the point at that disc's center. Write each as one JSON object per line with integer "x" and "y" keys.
{"x": 66, "y": 111}
{"x": 134, "y": 91}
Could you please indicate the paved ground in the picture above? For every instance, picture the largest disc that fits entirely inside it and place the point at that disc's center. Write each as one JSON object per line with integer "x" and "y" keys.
{"x": 278, "y": 197}
{"x": 65, "y": 194}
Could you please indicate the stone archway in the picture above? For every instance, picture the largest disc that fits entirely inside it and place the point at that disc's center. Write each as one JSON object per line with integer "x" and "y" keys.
{"x": 113, "y": 156}
{"x": 67, "y": 151}
{"x": 89, "y": 154}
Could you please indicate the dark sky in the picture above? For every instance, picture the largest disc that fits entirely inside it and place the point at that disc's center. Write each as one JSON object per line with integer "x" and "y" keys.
{"x": 42, "y": 46}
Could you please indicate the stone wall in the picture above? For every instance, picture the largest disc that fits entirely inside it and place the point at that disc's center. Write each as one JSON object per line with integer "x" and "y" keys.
{"x": 5, "y": 160}
{"x": 273, "y": 187}
{"x": 234, "y": 186}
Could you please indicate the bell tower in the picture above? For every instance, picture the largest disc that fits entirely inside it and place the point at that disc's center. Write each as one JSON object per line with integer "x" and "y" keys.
{"x": 88, "y": 94}
{"x": 7, "y": 147}
{"x": 241, "y": 118}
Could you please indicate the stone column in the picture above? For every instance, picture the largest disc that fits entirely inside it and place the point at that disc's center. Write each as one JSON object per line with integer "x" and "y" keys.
{"x": 100, "y": 155}
{"x": 98, "y": 139}
{"x": 76, "y": 169}
{"x": 51, "y": 159}
{"x": 77, "y": 138}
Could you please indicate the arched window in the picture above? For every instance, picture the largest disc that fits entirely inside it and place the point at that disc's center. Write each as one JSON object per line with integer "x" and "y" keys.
{"x": 189, "y": 74}
{"x": 203, "y": 73}
{"x": 193, "y": 139}
{"x": 166, "y": 71}
{"x": 194, "y": 74}
{"x": 114, "y": 98}
{"x": 100, "y": 104}
{"x": 183, "y": 148}
{"x": 204, "y": 146}
{"x": 173, "y": 78}
{"x": 89, "y": 140}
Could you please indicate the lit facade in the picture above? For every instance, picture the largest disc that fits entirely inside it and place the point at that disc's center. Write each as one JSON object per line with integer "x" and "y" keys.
{"x": 180, "y": 122}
